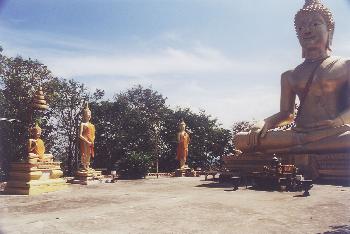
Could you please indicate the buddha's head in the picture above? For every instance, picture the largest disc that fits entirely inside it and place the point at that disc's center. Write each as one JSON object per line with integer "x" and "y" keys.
{"x": 182, "y": 126}
{"x": 86, "y": 113}
{"x": 35, "y": 131}
{"x": 314, "y": 25}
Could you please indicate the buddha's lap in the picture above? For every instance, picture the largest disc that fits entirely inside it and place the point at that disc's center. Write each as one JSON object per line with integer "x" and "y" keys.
{"x": 299, "y": 137}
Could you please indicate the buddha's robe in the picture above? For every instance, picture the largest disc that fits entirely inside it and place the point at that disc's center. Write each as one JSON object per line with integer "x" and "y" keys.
{"x": 89, "y": 134}
{"x": 38, "y": 148}
{"x": 182, "y": 147}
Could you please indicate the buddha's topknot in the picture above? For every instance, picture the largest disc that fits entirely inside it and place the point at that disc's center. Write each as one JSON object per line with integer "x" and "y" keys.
{"x": 316, "y": 6}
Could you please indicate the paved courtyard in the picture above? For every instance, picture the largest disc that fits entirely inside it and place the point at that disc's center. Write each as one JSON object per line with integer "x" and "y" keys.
{"x": 176, "y": 205}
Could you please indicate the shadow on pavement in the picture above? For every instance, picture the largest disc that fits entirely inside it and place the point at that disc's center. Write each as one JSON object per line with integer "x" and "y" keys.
{"x": 215, "y": 185}
{"x": 301, "y": 195}
{"x": 339, "y": 229}
{"x": 344, "y": 183}
{"x": 262, "y": 189}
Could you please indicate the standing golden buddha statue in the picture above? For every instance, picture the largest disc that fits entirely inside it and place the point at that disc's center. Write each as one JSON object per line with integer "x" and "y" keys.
{"x": 86, "y": 175}
{"x": 183, "y": 140}
{"x": 87, "y": 138}
{"x": 322, "y": 84}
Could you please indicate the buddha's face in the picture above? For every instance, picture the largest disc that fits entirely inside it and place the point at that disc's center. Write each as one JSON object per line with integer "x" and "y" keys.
{"x": 36, "y": 133}
{"x": 87, "y": 115}
{"x": 312, "y": 31}
{"x": 182, "y": 127}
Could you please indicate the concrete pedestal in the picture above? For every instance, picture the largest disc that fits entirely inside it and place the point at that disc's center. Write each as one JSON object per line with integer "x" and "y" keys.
{"x": 87, "y": 177}
{"x": 32, "y": 177}
{"x": 325, "y": 166}
{"x": 185, "y": 172}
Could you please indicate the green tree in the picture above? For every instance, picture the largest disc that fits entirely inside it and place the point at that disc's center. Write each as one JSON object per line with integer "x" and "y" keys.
{"x": 209, "y": 142}
{"x": 133, "y": 128}
{"x": 129, "y": 124}
{"x": 66, "y": 114}
{"x": 139, "y": 121}
{"x": 19, "y": 79}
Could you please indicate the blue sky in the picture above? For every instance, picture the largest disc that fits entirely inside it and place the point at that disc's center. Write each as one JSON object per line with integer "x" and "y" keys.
{"x": 223, "y": 56}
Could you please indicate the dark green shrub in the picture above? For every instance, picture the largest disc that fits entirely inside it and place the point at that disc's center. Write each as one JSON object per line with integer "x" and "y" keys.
{"x": 134, "y": 165}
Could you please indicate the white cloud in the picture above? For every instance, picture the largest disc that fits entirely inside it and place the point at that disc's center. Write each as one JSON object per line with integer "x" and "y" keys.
{"x": 33, "y": 42}
{"x": 221, "y": 99}
{"x": 200, "y": 77}
{"x": 165, "y": 61}
{"x": 171, "y": 36}
{"x": 245, "y": 104}
{"x": 70, "y": 57}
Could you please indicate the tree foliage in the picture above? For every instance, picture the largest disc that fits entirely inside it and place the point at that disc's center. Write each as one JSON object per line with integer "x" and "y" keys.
{"x": 139, "y": 121}
{"x": 19, "y": 79}
{"x": 134, "y": 166}
{"x": 134, "y": 130}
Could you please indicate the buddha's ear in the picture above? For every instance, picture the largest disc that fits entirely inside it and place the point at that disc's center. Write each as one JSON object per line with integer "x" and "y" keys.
{"x": 329, "y": 40}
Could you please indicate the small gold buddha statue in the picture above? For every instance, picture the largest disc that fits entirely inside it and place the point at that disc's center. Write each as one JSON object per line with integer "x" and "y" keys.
{"x": 87, "y": 138}
{"x": 183, "y": 139}
{"x": 322, "y": 84}
{"x": 36, "y": 146}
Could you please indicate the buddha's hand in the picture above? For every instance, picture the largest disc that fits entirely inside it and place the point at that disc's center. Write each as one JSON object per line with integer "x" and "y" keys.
{"x": 255, "y": 132}
{"x": 267, "y": 126}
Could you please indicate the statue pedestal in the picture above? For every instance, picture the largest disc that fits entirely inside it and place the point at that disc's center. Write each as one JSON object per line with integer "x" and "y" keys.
{"x": 327, "y": 166}
{"x": 324, "y": 166}
{"x": 87, "y": 177}
{"x": 32, "y": 177}
{"x": 185, "y": 172}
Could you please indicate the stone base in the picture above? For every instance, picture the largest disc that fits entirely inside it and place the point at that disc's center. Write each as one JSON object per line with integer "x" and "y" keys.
{"x": 35, "y": 187}
{"x": 87, "y": 177}
{"x": 325, "y": 166}
{"x": 185, "y": 172}
{"x": 34, "y": 178}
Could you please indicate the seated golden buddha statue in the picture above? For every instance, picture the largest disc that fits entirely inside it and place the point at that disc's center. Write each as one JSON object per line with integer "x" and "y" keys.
{"x": 322, "y": 84}
{"x": 36, "y": 146}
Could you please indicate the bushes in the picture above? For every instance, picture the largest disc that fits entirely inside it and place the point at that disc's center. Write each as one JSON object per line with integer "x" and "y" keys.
{"x": 134, "y": 165}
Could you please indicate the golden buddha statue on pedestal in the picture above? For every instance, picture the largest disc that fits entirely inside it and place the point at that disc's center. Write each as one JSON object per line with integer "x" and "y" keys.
{"x": 87, "y": 138}
{"x": 322, "y": 84}
{"x": 86, "y": 175}
{"x": 36, "y": 146}
{"x": 183, "y": 140}
{"x": 38, "y": 173}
